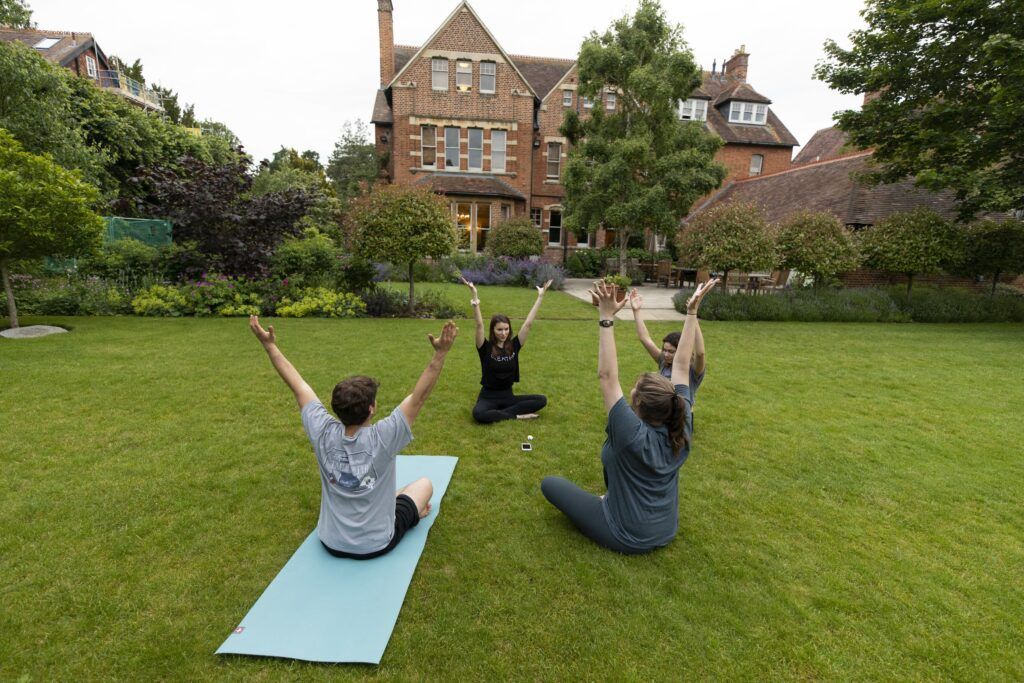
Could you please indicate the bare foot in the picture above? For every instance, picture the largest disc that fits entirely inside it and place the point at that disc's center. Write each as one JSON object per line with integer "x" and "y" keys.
{"x": 425, "y": 511}
{"x": 527, "y": 416}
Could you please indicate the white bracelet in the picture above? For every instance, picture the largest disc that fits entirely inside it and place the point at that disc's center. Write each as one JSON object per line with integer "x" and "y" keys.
{"x": 474, "y": 302}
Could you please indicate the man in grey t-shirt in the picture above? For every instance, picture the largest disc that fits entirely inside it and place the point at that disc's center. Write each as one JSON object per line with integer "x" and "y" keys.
{"x": 361, "y": 514}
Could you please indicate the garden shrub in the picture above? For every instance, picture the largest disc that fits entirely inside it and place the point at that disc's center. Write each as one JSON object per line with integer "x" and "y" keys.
{"x": 515, "y": 238}
{"x": 321, "y": 302}
{"x": 384, "y": 302}
{"x": 584, "y": 263}
{"x": 68, "y": 295}
{"x": 161, "y": 300}
{"x": 311, "y": 260}
{"x": 955, "y": 305}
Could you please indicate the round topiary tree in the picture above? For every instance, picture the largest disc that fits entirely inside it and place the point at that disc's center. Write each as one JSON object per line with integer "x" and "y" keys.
{"x": 729, "y": 237}
{"x": 402, "y": 225}
{"x": 994, "y": 248}
{"x": 816, "y": 244}
{"x": 913, "y": 243}
{"x": 515, "y": 238}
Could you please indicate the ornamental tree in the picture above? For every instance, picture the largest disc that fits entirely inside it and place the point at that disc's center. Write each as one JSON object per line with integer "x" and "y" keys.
{"x": 45, "y": 210}
{"x": 402, "y": 225}
{"x": 516, "y": 238}
{"x": 994, "y": 248}
{"x": 816, "y": 244}
{"x": 913, "y": 243}
{"x": 639, "y": 167}
{"x": 947, "y": 80}
{"x": 733, "y": 236}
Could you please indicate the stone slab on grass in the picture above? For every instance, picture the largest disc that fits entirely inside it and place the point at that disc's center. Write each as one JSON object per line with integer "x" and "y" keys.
{"x": 31, "y": 331}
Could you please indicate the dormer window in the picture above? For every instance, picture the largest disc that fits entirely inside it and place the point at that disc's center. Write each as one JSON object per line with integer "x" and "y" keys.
{"x": 748, "y": 112}
{"x": 693, "y": 110}
{"x": 439, "y": 73}
{"x": 464, "y": 75}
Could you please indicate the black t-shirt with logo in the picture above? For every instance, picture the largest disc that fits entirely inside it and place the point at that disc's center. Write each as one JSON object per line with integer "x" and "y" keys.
{"x": 501, "y": 370}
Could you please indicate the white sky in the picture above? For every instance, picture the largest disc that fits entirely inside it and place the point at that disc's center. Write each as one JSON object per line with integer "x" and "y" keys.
{"x": 292, "y": 73}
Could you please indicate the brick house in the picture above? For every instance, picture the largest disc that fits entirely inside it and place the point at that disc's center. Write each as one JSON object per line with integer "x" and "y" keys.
{"x": 460, "y": 115}
{"x": 81, "y": 54}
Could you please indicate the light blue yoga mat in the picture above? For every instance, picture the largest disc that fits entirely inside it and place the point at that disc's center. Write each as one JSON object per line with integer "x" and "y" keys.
{"x": 321, "y": 608}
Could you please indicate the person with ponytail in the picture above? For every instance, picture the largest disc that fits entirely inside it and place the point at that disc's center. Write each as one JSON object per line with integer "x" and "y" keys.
{"x": 648, "y": 441}
{"x": 499, "y": 365}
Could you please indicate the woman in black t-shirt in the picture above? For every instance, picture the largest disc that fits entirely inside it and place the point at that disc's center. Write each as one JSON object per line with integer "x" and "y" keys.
{"x": 499, "y": 365}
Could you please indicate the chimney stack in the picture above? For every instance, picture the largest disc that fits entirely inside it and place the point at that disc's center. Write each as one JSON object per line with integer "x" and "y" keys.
{"x": 736, "y": 67}
{"x": 385, "y": 26}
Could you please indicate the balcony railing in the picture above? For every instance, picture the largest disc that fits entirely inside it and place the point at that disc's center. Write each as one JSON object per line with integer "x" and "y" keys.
{"x": 129, "y": 87}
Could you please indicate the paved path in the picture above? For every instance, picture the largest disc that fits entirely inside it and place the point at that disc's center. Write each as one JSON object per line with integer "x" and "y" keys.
{"x": 657, "y": 300}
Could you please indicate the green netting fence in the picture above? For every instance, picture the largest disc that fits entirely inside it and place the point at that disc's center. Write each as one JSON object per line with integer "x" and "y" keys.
{"x": 155, "y": 233}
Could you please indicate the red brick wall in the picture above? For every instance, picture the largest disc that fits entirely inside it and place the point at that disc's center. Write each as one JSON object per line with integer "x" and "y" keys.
{"x": 79, "y": 65}
{"x": 737, "y": 159}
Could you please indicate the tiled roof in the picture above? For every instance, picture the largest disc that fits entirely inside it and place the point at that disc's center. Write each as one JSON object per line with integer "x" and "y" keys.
{"x": 831, "y": 186}
{"x": 736, "y": 91}
{"x": 403, "y": 53}
{"x": 773, "y": 133}
{"x": 381, "y": 109}
{"x": 69, "y": 44}
{"x": 827, "y": 143}
{"x": 470, "y": 184}
{"x": 543, "y": 73}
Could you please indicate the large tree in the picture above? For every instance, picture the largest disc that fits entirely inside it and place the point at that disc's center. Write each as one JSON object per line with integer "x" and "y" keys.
{"x": 402, "y": 225}
{"x": 729, "y": 237}
{"x": 16, "y": 14}
{"x": 45, "y": 210}
{"x": 993, "y": 249}
{"x": 353, "y": 165}
{"x": 816, "y": 244}
{"x": 946, "y": 85}
{"x": 639, "y": 167}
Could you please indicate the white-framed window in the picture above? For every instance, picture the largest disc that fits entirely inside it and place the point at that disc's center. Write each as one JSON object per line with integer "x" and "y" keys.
{"x": 451, "y": 149}
{"x": 476, "y": 149}
{"x": 748, "y": 112}
{"x": 488, "y": 77}
{"x": 90, "y": 66}
{"x": 610, "y": 100}
{"x": 555, "y": 227}
{"x": 428, "y": 146}
{"x": 554, "y": 159}
{"x": 463, "y": 75}
{"x": 439, "y": 73}
{"x": 535, "y": 217}
{"x": 567, "y": 98}
{"x": 588, "y": 103}
{"x": 756, "y": 162}
{"x": 693, "y": 110}
{"x": 498, "y": 141}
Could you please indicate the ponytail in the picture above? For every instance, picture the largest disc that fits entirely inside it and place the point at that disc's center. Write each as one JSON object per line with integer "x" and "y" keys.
{"x": 676, "y": 424}
{"x": 657, "y": 403}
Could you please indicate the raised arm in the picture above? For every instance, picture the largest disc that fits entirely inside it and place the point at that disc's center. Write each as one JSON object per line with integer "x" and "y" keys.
{"x": 688, "y": 339}
{"x": 413, "y": 403}
{"x": 699, "y": 361}
{"x": 303, "y": 392}
{"x": 477, "y": 315}
{"x": 525, "y": 329}
{"x": 636, "y": 302}
{"x": 607, "y": 359}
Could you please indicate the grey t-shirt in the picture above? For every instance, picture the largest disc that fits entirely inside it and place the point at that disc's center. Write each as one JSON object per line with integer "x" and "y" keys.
{"x": 695, "y": 379}
{"x": 357, "y": 478}
{"x": 642, "y": 503}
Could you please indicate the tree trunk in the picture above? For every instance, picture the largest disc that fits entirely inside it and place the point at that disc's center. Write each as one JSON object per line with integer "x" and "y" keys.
{"x": 623, "y": 239}
{"x": 411, "y": 306}
{"x": 12, "y": 310}
{"x": 995, "y": 279}
{"x": 910, "y": 284}
{"x": 725, "y": 280}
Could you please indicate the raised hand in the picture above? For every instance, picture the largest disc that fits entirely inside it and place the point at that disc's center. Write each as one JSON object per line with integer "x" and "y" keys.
{"x": 447, "y": 338}
{"x": 607, "y": 306}
{"x": 472, "y": 288}
{"x": 636, "y": 302}
{"x": 265, "y": 336}
{"x": 541, "y": 290}
{"x": 693, "y": 303}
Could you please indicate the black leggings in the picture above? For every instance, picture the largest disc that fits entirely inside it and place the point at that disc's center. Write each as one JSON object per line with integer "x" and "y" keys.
{"x": 584, "y": 510}
{"x": 494, "y": 406}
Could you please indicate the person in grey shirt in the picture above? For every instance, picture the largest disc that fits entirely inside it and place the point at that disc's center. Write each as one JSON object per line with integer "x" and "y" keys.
{"x": 669, "y": 344}
{"x": 648, "y": 441}
{"x": 361, "y": 514}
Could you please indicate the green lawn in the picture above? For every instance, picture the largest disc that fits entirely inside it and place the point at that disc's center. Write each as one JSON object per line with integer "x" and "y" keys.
{"x": 851, "y": 508}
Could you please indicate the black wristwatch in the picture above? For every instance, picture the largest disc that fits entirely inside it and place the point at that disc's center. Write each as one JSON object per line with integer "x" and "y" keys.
{"x": 605, "y": 323}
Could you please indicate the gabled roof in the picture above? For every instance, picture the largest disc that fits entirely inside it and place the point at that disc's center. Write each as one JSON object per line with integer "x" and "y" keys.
{"x": 737, "y": 91}
{"x": 831, "y": 186}
{"x": 773, "y": 133}
{"x": 69, "y": 44}
{"x": 451, "y": 17}
{"x": 543, "y": 73}
{"x": 827, "y": 143}
{"x": 448, "y": 182}
{"x": 403, "y": 55}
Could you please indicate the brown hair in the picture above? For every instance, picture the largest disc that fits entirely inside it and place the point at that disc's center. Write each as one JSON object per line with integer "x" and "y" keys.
{"x": 352, "y": 398}
{"x": 657, "y": 403}
{"x": 495, "y": 319}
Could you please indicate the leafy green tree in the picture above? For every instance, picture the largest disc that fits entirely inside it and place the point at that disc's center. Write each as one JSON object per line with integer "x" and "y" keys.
{"x": 913, "y": 243}
{"x": 516, "y": 238}
{"x": 994, "y": 248}
{"x": 45, "y": 210}
{"x": 402, "y": 225}
{"x": 16, "y": 14}
{"x": 640, "y": 167}
{"x": 353, "y": 165}
{"x": 948, "y": 76}
{"x": 816, "y": 244}
{"x": 729, "y": 237}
